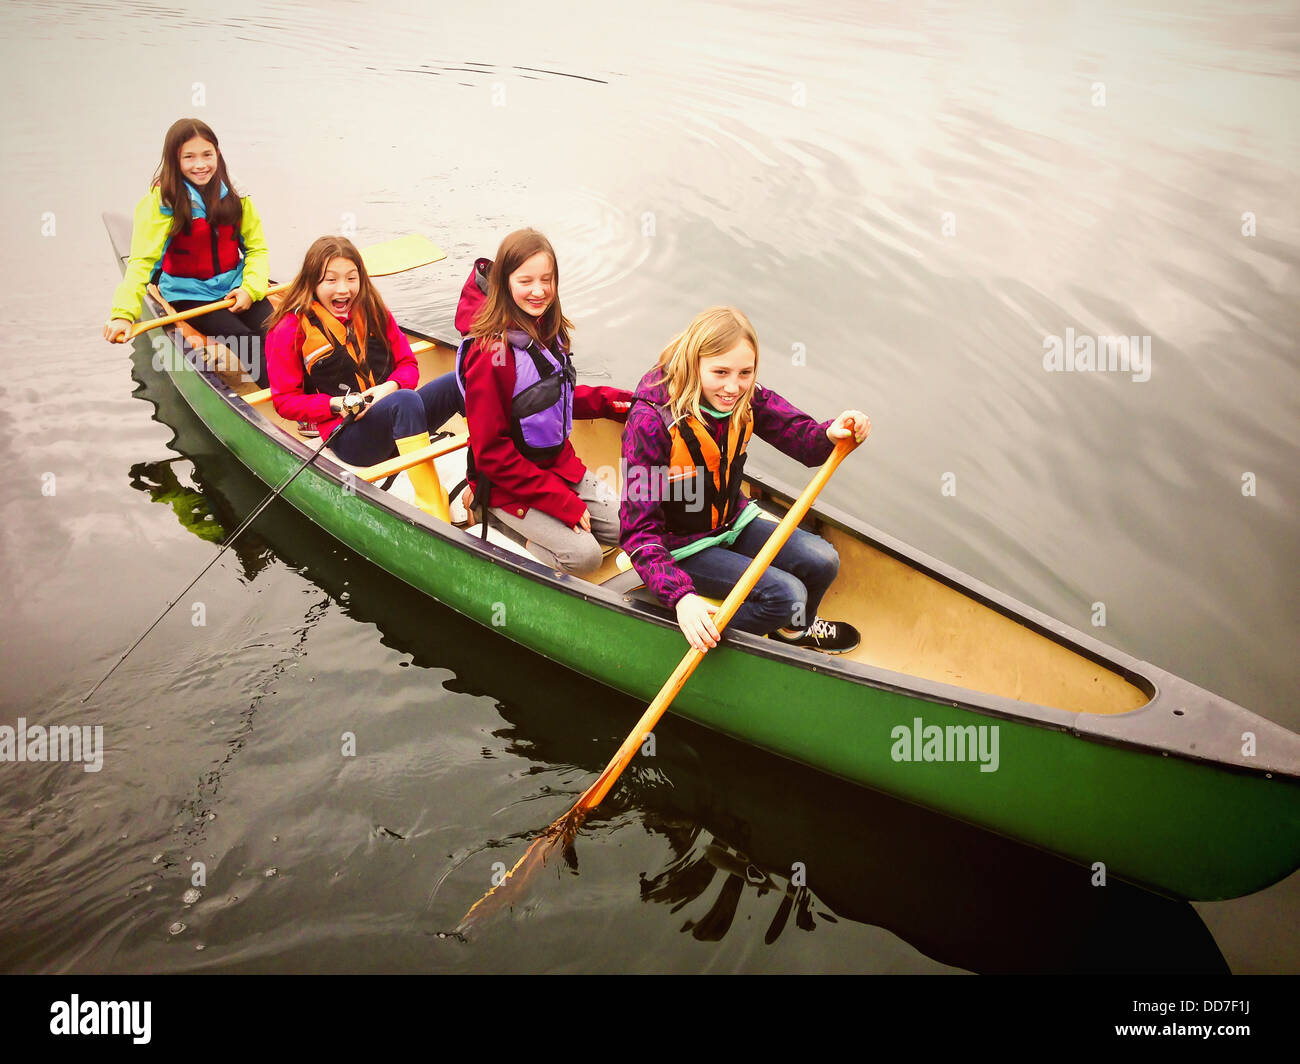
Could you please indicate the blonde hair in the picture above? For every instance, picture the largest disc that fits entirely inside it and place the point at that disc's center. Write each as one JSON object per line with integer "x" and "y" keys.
{"x": 713, "y": 332}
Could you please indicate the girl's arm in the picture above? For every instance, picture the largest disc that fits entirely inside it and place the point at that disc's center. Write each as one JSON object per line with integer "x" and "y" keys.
{"x": 285, "y": 369}
{"x": 149, "y": 235}
{"x": 645, "y": 451}
{"x": 790, "y": 430}
{"x": 590, "y": 403}
{"x": 489, "y": 383}
{"x": 850, "y": 423}
{"x": 256, "y": 257}
{"x": 406, "y": 370}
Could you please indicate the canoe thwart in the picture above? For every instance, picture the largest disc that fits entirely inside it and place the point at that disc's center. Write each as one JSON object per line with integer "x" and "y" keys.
{"x": 392, "y": 466}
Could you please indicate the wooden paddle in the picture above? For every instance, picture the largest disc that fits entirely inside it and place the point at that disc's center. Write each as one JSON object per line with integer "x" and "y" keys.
{"x": 392, "y": 256}
{"x": 563, "y": 830}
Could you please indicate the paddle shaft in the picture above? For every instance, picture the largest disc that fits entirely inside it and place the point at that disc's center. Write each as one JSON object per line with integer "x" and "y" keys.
{"x": 393, "y": 256}
{"x": 562, "y": 831}
{"x": 217, "y": 557}
{"x": 184, "y": 315}
{"x": 593, "y": 795}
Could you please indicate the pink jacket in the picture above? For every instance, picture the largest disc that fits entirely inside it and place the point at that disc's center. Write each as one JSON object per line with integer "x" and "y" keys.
{"x": 284, "y": 366}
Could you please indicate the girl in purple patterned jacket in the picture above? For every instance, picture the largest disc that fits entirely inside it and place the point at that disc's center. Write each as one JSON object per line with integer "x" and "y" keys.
{"x": 686, "y": 526}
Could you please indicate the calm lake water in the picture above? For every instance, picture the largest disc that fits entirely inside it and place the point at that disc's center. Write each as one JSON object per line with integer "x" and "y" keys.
{"x": 907, "y": 199}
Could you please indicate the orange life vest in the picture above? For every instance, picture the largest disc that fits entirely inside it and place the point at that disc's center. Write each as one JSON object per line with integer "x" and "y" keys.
{"x": 715, "y": 499}
{"x": 337, "y": 353}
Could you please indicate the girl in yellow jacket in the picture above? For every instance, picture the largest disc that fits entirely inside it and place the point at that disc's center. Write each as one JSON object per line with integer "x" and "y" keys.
{"x": 200, "y": 241}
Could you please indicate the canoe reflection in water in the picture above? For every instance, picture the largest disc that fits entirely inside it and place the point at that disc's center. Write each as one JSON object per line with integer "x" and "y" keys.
{"x": 203, "y": 512}
{"x": 163, "y": 485}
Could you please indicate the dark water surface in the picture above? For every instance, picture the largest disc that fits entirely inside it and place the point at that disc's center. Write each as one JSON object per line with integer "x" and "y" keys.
{"x": 906, "y": 200}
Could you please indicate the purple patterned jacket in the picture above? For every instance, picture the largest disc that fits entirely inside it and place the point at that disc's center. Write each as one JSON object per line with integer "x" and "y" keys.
{"x": 646, "y": 444}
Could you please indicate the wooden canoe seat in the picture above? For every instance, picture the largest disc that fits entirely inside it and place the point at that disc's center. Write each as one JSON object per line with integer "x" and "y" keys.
{"x": 393, "y": 466}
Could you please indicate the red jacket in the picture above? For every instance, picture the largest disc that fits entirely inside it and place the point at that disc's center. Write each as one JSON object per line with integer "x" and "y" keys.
{"x": 285, "y": 368}
{"x": 518, "y": 484}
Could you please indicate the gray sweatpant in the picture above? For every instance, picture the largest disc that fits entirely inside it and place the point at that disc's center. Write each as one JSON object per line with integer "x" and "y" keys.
{"x": 557, "y": 544}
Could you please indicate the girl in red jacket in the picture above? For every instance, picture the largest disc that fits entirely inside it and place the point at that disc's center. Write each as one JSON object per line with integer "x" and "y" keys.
{"x": 521, "y": 397}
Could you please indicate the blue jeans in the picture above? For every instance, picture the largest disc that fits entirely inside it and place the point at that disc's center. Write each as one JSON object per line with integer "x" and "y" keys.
{"x": 404, "y": 413}
{"x": 789, "y": 591}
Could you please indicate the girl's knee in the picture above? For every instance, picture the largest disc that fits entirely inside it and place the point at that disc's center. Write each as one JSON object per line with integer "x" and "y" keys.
{"x": 782, "y": 597}
{"x": 823, "y": 558}
{"x": 605, "y": 527}
{"x": 405, "y": 401}
{"x": 581, "y": 557}
{"x": 405, "y": 412}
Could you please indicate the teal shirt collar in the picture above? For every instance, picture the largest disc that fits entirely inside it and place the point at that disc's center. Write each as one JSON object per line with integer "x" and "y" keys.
{"x": 197, "y": 207}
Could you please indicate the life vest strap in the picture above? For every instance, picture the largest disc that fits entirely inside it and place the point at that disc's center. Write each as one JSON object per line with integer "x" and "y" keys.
{"x": 354, "y": 348}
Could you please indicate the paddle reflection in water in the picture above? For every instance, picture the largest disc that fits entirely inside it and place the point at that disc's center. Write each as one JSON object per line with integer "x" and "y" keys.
{"x": 733, "y": 821}
{"x": 701, "y": 859}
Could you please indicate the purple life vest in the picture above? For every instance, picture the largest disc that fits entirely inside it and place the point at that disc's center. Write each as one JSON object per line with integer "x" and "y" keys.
{"x": 541, "y": 406}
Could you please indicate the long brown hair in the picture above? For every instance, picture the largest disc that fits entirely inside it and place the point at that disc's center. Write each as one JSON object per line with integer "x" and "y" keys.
{"x": 500, "y": 312}
{"x": 227, "y": 210}
{"x": 302, "y": 291}
{"x": 713, "y": 332}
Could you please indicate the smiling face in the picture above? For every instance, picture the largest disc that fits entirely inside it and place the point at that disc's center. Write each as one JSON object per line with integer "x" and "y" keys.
{"x": 725, "y": 378}
{"x": 532, "y": 286}
{"x": 338, "y": 288}
{"x": 198, "y": 161}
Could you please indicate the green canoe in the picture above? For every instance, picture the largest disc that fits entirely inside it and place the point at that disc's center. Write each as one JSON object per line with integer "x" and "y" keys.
{"x": 960, "y": 699}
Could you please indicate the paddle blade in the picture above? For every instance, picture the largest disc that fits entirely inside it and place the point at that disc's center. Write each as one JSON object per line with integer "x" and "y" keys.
{"x": 401, "y": 254}
{"x": 555, "y": 840}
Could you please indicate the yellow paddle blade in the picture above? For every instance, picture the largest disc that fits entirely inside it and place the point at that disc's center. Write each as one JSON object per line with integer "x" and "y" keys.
{"x": 401, "y": 254}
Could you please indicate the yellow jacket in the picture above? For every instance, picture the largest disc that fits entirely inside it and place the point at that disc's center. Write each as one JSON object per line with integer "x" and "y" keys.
{"x": 149, "y": 238}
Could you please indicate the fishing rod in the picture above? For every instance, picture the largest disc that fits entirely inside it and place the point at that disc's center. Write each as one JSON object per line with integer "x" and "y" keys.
{"x": 353, "y": 404}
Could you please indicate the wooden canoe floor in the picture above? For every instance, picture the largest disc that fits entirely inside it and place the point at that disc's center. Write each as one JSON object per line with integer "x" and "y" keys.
{"x": 911, "y": 623}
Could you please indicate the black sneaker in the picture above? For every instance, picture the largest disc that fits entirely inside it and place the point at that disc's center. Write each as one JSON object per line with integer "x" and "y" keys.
{"x": 830, "y": 637}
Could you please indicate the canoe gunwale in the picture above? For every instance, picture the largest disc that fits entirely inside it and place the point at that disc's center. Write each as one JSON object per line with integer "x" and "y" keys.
{"x": 1153, "y": 729}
